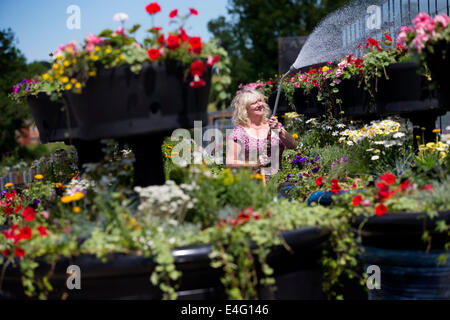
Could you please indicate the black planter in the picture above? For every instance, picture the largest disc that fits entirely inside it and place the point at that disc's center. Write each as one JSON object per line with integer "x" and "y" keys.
{"x": 439, "y": 65}
{"x": 283, "y": 103}
{"x": 307, "y": 104}
{"x": 118, "y": 103}
{"x": 405, "y": 91}
{"x": 356, "y": 102}
{"x": 297, "y": 273}
{"x": 409, "y": 267}
{"x": 51, "y": 119}
{"x": 402, "y": 231}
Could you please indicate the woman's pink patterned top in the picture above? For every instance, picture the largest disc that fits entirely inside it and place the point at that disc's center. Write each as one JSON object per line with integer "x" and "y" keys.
{"x": 258, "y": 146}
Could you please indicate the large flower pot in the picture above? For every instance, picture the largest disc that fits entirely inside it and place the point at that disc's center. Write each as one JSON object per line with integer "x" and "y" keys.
{"x": 118, "y": 103}
{"x": 356, "y": 102}
{"x": 307, "y": 104}
{"x": 405, "y": 91}
{"x": 297, "y": 273}
{"x": 409, "y": 266}
{"x": 51, "y": 119}
{"x": 439, "y": 65}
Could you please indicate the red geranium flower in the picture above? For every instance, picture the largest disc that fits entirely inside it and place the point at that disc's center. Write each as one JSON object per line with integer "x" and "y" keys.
{"x": 388, "y": 37}
{"x": 389, "y": 178}
{"x": 319, "y": 181}
{"x": 196, "y": 45}
{"x": 153, "y": 8}
{"x": 8, "y": 210}
{"x": 372, "y": 42}
{"x": 405, "y": 185}
{"x": 380, "y": 209}
{"x": 19, "y": 252}
{"x": 42, "y": 231}
{"x": 18, "y": 208}
{"x": 161, "y": 39}
{"x": 28, "y": 214}
{"x": 183, "y": 35}
{"x": 213, "y": 60}
{"x": 335, "y": 189}
{"x": 173, "y": 13}
{"x": 25, "y": 233}
{"x": 193, "y": 11}
{"x": 173, "y": 42}
{"x": 6, "y": 252}
{"x": 427, "y": 187}
{"x": 197, "y": 68}
{"x": 357, "y": 200}
{"x": 197, "y": 82}
{"x": 157, "y": 29}
{"x": 153, "y": 54}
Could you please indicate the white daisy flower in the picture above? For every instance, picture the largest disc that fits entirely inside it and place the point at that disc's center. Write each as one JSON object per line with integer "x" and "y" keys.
{"x": 375, "y": 157}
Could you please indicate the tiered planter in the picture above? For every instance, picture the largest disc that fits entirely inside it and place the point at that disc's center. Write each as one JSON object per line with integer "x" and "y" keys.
{"x": 307, "y": 104}
{"x": 408, "y": 270}
{"x": 297, "y": 273}
{"x": 141, "y": 109}
{"x": 439, "y": 65}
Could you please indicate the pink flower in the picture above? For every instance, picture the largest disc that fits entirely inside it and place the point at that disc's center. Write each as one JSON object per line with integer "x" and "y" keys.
{"x": 442, "y": 19}
{"x": 339, "y": 72}
{"x": 343, "y": 64}
{"x": 401, "y": 39}
{"x": 212, "y": 60}
{"x": 421, "y": 18}
{"x": 121, "y": 31}
{"x": 45, "y": 214}
{"x": 419, "y": 41}
{"x": 91, "y": 41}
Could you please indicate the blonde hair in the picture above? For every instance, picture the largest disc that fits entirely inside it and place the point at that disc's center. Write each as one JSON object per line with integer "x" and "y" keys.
{"x": 244, "y": 99}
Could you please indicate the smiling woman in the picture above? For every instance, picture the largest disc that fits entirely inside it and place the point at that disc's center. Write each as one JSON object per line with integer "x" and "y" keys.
{"x": 257, "y": 139}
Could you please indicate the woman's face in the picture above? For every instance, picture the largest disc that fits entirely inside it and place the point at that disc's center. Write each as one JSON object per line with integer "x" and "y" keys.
{"x": 255, "y": 108}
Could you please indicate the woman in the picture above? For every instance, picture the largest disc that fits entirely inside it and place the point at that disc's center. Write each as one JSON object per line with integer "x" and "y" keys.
{"x": 248, "y": 143}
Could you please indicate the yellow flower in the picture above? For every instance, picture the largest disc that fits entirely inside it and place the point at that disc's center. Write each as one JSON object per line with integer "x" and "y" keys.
{"x": 436, "y": 130}
{"x": 39, "y": 177}
{"x": 78, "y": 196}
{"x": 77, "y": 85}
{"x": 65, "y": 79}
{"x": 295, "y": 136}
{"x": 55, "y": 66}
{"x": 97, "y": 48}
{"x": 61, "y": 71}
{"x": 325, "y": 69}
{"x": 66, "y": 63}
{"x": 58, "y": 185}
{"x": 73, "y": 80}
{"x": 68, "y": 86}
{"x": 66, "y": 199}
{"x": 9, "y": 184}
{"x": 45, "y": 76}
{"x": 108, "y": 51}
{"x": 417, "y": 137}
{"x": 258, "y": 176}
{"x": 169, "y": 147}
{"x": 137, "y": 227}
{"x": 92, "y": 73}
{"x": 252, "y": 176}
{"x": 117, "y": 60}
{"x": 76, "y": 210}
{"x": 74, "y": 61}
{"x": 443, "y": 154}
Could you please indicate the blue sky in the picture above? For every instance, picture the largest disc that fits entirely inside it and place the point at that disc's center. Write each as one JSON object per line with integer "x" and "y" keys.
{"x": 40, "y": 25}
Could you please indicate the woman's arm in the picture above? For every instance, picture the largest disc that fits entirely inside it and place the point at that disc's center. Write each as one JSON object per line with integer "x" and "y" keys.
{"x": 233, "y": 150}
{"x": 287, "y": 139}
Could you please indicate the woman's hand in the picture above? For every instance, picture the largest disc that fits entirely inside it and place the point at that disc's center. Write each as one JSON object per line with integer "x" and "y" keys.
{"x": 273, "y": 123}
{"x": 263, "y": 160}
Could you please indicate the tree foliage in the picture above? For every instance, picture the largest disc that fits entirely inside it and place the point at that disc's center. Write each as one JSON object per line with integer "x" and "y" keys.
{"x": 251, "y": 36}
{"x": 13, "y": 68}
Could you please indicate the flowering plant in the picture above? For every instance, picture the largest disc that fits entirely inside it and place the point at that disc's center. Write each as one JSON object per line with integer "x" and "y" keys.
{"x": 429, "y": 37}
{"x": 73, "y": 65}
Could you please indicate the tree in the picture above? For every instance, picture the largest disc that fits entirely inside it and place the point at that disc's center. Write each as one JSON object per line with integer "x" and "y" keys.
{"x": 251, "y": 37}
{"x": 13, "y": 68}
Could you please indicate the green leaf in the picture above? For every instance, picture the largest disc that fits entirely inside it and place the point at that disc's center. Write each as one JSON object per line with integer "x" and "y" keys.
{"x": 134, "y": 28}
{"x": 105, "y": 33}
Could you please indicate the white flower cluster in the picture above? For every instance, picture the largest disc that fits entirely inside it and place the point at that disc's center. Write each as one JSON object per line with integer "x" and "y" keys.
{"x": 385, "y": 129}
{"x": 168, "y": 200}
{"x": 79, "y": 186}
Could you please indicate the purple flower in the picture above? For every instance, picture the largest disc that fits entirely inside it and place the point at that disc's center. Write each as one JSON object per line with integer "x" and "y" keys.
{"x": 36, "y": 202}
{"x": 3, "y": 193}
{"x": 288, "y": 177}
{"x": 334, "y": 163}
{"x": 344, "y": 159}
{"x": 315, "y": 169}
{"x": 299, "y": 160}
{"x": 300, "y": 175}
{"x": 24, "y": 81}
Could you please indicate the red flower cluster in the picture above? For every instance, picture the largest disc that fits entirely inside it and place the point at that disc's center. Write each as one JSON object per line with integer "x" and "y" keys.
{"x": 374, "y": 43}
{"x": 335, "y": 188}
{"x": 244, "y": 216}
{"x": 153, "y": 54}
{"x": 197, "y": 70}
{"x": 357, "y": 200}
{"x": 319, "y": 181}
{"x": 173, "y": 13}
